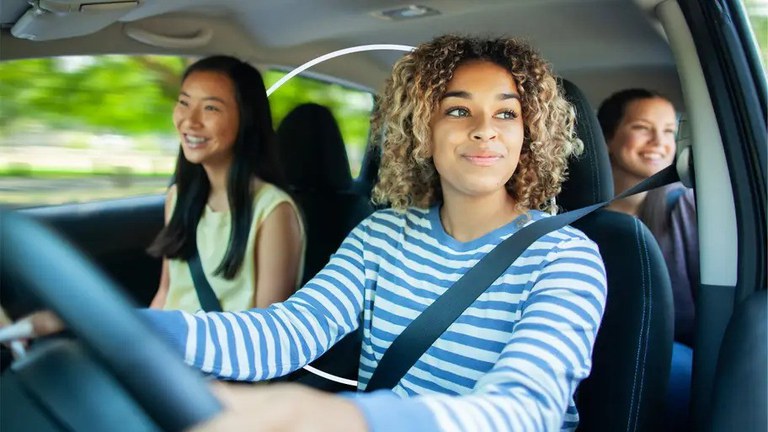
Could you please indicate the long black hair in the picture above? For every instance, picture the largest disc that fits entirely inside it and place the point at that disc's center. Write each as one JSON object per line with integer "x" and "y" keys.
{"x": 254, "y": 154}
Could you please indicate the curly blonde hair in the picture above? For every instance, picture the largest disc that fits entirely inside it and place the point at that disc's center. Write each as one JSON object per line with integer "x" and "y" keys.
{"x": 407, "y": 174}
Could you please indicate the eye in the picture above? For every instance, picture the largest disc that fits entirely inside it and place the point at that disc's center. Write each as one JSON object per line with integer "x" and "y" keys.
{"x": 212, "y": 108}
{"x": 457, "y": 112}
{"x": 507, "y": 115}
{"x": 670, "y": 131}
{"x": 183, "y": 103}
{"x": 640, "y": 127}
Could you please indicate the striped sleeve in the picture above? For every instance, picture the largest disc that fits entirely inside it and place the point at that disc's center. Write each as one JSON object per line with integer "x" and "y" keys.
{"x": 530, "y": 387}
{"x": 265, "y": 343}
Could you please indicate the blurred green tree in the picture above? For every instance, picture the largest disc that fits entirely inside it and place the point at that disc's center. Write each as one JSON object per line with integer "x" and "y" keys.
{"x": 132, "y": 95}
{"x": 122, "y": 94}
{"x": 757, "y": 10}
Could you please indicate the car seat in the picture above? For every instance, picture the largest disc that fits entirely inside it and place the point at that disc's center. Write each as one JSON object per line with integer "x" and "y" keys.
{"x": 631, "y": 357}
{"x": 314, "y": 159}
{"x": 740, "y": 394}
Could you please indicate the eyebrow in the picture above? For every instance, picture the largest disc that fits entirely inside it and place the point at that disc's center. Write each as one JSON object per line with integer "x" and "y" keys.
{"x": 644, "y": 120}
{"x": 466, "y": 95}
{"x": 213, "y": 98}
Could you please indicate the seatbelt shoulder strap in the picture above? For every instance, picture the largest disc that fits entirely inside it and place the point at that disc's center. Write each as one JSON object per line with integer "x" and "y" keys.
{"x": 205, "y": 294}
{"x": 423, "y": 331}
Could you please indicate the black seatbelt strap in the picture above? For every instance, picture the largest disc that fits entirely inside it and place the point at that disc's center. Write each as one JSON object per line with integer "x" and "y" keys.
{"x": 422, "y": 332}
{"x": 205, "y": 294}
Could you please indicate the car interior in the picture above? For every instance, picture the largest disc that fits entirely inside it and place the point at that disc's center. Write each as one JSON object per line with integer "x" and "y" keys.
{"x": 315, "y": 160}
{"x": 87, "y": 259}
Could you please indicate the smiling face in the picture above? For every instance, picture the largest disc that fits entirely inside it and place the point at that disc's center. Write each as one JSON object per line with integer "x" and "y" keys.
{"x": 207, "y": 118}
{"x": 477, "y": 131}
{"x": 644, "y": 140}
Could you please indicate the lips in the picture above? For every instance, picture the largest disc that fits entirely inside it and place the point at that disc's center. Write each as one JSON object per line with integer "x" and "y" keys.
{"x": 482, "y": 159}
{"x": 652, "y": 157}
{"x": 194, "y": 141}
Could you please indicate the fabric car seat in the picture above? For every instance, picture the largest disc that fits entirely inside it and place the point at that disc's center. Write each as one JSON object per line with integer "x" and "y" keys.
{"x": 631, "y": 357}
{"x": 314, "y": 160}
{"x": 740, "y": 392}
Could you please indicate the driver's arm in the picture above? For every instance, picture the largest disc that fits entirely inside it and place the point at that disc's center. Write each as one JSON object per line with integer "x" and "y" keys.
{"x": 265, "y": 343}
{"x": 528, "y": 389}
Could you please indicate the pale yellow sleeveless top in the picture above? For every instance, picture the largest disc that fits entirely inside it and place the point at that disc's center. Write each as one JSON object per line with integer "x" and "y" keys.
{"x": 212, "y": 239}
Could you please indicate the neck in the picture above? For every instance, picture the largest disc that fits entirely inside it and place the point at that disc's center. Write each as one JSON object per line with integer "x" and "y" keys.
{"x": 467, "y": 218}
{"x": 218, "y": 177}
{"x": 629, "y": 205}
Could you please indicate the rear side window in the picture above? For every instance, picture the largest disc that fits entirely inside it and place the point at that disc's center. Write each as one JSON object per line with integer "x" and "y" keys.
{"x": 85, "y": 128}
{"x": 757, "y": 12}
{"x": 351, "y": 107}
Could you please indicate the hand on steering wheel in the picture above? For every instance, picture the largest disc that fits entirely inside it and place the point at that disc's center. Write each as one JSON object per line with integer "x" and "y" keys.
{"x": 104, "y": 320}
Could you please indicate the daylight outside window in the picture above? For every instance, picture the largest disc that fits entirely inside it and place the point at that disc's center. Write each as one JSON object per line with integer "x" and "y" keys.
{"x": 86, "y": 128}
{"x": 757, "y": 11}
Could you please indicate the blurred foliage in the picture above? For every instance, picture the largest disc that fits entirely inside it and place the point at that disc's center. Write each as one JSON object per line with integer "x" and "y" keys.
{"x": 130, "y": 95}
{"x": 81, "y": 128}
{"x": 757, "y": 10}
{"x": 118, "y": 94}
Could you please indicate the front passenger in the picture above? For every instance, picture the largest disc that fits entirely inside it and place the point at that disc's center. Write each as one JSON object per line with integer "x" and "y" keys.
{"x": 227, "y": 204}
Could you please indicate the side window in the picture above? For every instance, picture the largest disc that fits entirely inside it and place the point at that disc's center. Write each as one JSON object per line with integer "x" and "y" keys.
{"x": 351, "y": 108}
{"x": 757, "y": 12}
{"x": 84, "y": 128}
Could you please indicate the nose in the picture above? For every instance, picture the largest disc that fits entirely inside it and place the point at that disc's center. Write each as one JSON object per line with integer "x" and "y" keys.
{"x": 483, "y": 130}
{"x": 191, "y": 117}
{"x": 659, "y": 137}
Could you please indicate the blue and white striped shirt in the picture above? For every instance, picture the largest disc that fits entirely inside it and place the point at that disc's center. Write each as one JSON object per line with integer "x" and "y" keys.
{"x": 511, "y": 361}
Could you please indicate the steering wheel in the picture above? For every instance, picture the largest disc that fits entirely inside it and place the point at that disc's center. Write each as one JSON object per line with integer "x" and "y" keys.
{"x": 65, "y": 281}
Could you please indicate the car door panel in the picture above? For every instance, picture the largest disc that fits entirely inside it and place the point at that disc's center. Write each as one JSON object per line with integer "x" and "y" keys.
{"x": 115, "y": 234}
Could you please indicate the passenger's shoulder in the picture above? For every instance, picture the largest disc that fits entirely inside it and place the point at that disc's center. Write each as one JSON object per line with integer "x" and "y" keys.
{"x": 268, "y": 195}
{"x": 265, "y": 190}
{"x": 687, "y": 199}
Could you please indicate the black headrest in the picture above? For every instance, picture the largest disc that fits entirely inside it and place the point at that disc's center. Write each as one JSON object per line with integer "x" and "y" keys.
{"x": 589, "y": 180}
{"x": 312, "y": 150}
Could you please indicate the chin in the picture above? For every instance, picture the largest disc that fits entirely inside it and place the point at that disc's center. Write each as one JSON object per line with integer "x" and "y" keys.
{"x": 193, "y": 159}
{"x": 484, "y": 190}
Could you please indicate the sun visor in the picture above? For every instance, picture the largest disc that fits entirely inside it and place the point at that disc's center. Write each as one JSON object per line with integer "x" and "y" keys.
{"x": 60, "y": 19}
